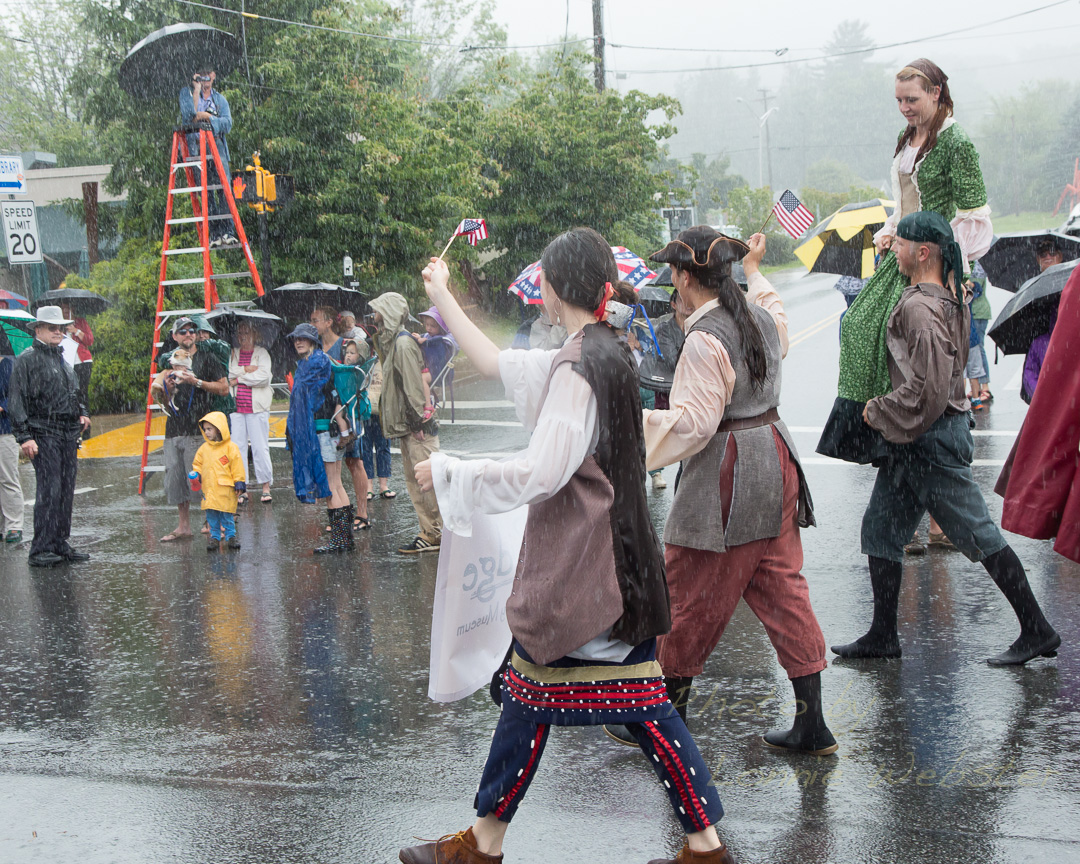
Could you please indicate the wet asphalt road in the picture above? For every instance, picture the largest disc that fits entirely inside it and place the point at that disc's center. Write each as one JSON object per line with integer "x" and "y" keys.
{"x": 162, "y": 705}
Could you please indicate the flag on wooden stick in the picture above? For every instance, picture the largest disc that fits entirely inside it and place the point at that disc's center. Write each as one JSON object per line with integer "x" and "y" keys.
{"x": 792, "y": 214}
{"x": 473, "y": 230}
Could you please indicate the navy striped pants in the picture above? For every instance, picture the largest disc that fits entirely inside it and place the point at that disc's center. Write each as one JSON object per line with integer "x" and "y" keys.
{"x": 519, "y": 744}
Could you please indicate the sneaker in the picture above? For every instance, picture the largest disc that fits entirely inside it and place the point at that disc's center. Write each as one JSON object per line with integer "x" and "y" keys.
{"x": 658, "y": 482}
{"x": 419, "y": 545}
{"x": 13, "y": 537}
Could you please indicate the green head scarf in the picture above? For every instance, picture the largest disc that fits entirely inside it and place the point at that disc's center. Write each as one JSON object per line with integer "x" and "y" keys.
{"x": 926, "y": 226}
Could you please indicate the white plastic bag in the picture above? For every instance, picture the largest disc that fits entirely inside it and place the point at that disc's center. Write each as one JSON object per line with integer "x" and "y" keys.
{"x": 469, "y": 633}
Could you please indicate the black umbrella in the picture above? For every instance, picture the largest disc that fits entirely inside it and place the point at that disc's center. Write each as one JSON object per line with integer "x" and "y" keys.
{"x": 655, "y": 299}
{"x": 227, "y": 318}
{"x": 663, "y": 277}
{"x": 162, "y": 63}
{"x": 297, "y": 299}
{"x": 81, "y": 301}
{"x": 1031, "y": 312}
{"x": 1011, "y": 261}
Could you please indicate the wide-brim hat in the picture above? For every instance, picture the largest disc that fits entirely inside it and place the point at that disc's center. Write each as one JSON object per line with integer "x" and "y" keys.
{"x": 52, "y": 315}
{"x": 305, "y": 331}
{"x": 701, "y": 247}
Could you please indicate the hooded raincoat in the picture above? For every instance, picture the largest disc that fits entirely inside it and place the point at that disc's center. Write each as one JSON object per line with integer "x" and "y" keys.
{"x": 401, "y": 402}
{"x": 220, "y": 466}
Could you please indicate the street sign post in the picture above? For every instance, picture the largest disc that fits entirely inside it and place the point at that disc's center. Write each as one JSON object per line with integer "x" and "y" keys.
{"x": 12, "y": 176}
{"x": 19, "y": 219}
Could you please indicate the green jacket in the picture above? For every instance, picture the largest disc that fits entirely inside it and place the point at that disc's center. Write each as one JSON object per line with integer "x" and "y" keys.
{"x": 401, "y": 402}
{"x": 948, "y": 179}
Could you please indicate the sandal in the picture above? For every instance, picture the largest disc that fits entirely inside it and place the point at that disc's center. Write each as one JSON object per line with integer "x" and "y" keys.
{"x": 361, "y": 523}
{"x": 370, "y": 496}
{"x": 940, "y": 540}
{"x": 266, "y": 499}
{"x": 986, "y": 396}
{"x": 242, "y": 498}
{"x": 388, "y": 493}
{"x": 172, "y": 536}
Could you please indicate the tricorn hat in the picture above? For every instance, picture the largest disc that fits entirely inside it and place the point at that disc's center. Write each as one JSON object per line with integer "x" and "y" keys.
{"x": 701, "y": 247}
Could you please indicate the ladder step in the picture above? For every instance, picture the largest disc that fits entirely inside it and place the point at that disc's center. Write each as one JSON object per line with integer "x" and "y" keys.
{"x": 209, "y": 188}
{"x": 187, "y": 220}
{"x": 187, "y": 251}
{"x": 215, "y": 276}
{"x": 155, "y": 437}
{"x": 177, "y": 165}
{"x": 153, "y": 469}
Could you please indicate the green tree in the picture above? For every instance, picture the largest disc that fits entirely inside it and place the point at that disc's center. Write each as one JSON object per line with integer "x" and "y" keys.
{"x": 1024, "y": 147}
{"x": 36, "y": 71}
{"x": 749, "y": 210}
{"x": 566, "y": 155}
{"x": 714, "y": 186}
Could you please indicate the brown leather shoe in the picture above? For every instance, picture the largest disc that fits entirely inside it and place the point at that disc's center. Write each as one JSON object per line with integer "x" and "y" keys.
{"x": 720, "y": 855}
{"x": 457, "y": 848}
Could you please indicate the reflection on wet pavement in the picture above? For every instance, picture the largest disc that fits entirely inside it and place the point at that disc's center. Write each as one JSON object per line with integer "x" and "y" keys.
{"x": 159, "y": 704}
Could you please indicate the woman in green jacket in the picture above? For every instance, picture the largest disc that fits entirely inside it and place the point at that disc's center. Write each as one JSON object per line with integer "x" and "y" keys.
{"x": 935, "y": 167}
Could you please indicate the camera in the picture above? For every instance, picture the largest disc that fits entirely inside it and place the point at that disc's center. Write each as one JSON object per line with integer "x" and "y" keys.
{"x": 201, "y": 78}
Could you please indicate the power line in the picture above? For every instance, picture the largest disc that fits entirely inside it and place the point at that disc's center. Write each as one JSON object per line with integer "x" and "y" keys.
{"x": 461, "y": 46}
{"x": 853, "y": 51}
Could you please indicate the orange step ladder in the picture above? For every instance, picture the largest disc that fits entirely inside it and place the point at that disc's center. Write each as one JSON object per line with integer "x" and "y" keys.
{"x": 180, "y": 159}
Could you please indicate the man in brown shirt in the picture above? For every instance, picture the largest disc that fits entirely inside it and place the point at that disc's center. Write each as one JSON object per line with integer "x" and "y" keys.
{"x": 927, "y": 465}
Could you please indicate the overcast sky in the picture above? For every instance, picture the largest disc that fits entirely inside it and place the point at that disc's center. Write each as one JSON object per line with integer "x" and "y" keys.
{"x": 1037, "y": 45}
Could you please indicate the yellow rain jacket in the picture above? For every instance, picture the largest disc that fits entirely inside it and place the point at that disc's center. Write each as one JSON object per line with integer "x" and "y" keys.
{"x": 220, "y": 466}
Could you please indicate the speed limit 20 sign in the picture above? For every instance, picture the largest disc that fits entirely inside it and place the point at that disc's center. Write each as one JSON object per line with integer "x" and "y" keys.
{"x": 21, "y": 232}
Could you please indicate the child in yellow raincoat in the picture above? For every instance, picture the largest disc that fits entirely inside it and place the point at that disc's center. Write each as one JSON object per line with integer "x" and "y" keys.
{"x": 220, "y": 467}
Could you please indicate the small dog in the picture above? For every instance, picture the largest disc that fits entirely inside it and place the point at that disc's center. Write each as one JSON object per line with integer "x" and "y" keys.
{"x": 163, "y": 388}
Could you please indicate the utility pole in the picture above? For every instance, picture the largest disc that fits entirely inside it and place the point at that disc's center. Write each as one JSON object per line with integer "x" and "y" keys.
{"x": 765, "y": 113}
{"x": 598, "y": 44}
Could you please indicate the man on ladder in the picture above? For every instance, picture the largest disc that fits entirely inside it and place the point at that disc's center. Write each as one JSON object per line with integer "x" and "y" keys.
{"x": 201, "y": 103}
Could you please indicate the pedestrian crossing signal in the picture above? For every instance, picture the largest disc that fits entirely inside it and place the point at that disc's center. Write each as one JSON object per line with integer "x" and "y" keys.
{"x": 262, "y": 191}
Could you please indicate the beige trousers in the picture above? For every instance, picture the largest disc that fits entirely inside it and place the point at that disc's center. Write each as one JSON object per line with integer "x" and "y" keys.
{"x": 425, "y": 503}
{"x": 11, "y": 496}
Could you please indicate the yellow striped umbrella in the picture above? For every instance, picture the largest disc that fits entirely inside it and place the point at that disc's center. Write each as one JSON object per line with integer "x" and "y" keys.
{"x": 844, "y": 242}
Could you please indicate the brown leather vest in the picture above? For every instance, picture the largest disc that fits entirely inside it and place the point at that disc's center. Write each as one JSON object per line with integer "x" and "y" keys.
{"x": 591, "y": 559}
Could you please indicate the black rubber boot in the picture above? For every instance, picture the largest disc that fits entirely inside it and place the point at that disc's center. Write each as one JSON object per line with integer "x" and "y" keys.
{"x": 348, "y": 513}
{"x": 809, "y": 734}
{"x": 678, "y": 691}
{"x": 1037, "y": 638}
{"x": 335, "y": 542}
{"x": 882, "y": 640}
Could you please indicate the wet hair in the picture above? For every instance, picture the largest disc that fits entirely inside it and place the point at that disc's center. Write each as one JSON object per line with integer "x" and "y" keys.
{"x": 1048, "y": 246}
{"x": 716, "y": 278}
{"x": 625, "y": 293}
{"x": 332, "y": 314}
{"x": 577, "y": 264}
{"x": 929, "y": 76}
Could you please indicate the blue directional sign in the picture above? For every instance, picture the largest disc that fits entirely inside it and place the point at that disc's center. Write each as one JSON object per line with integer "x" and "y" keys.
{"x": 12, "y": 176}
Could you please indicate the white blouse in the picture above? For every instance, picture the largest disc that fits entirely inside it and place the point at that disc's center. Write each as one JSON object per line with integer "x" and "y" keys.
{"x": 564, "y": 433}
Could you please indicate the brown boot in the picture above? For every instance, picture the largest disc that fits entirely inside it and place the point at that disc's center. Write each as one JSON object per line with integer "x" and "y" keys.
{"x": 457, "y": 848}
{"x": 720, "y": 855}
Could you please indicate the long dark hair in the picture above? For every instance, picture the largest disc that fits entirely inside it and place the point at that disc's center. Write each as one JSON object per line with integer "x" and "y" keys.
{"x": 577, "y": 264}
{"x": 716, "y": 279}
{"x": 929, "y": 76}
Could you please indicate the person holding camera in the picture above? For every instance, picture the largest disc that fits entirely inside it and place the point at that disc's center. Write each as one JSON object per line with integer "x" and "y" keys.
{"x": 202, "y": 105}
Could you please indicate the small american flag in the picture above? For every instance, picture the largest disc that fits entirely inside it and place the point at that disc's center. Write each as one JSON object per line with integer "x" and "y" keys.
{"x": 474, "y": 230}
{"x": 790, "y": 212}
